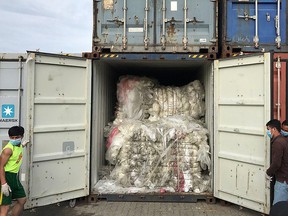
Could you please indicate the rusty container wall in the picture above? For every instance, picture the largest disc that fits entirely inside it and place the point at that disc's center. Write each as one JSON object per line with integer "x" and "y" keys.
{"x": 171, "y": 26}
{"x": 253, "y": 26}
{"x": 280, "y": 86}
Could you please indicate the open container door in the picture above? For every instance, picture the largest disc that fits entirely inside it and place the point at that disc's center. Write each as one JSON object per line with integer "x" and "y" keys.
{"x": 242, "y": 89}
{"x": 58, "y": 121}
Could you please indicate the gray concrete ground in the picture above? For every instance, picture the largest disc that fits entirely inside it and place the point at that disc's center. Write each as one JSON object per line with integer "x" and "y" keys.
{"x": 104, "y": 208}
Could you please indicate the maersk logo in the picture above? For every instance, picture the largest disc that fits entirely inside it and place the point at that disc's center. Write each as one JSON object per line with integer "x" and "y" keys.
{"x": 8, "y": 111}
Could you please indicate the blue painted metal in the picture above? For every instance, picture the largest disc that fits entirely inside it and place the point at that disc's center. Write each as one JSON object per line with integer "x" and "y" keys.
{"x": 241, "y": 31}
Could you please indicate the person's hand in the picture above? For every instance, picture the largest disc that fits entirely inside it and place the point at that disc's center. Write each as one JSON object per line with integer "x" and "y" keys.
{"x": 5, "y": 189}
{"x": 268, "y": 177}
{"x": 25, "y": 142}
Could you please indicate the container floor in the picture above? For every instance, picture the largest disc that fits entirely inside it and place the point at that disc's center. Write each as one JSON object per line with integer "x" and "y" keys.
{"x": 104, "y": 208}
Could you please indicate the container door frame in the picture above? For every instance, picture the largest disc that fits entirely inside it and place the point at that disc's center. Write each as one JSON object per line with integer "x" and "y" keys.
{"x": 58, "y": 158}
{"x": 242, "y": 107}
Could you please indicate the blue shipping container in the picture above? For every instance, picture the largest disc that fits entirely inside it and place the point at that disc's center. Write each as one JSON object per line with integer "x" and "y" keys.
{"x": 254, "y": 25}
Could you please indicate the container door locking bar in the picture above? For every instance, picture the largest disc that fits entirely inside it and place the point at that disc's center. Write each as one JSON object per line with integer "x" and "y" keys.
{"x": 278, "y": 104}
{"x": 122, "y": 21}
{"x": 277, "y": 26}
{"x": 185, "y": 39}
{"x": 146, "y": 39}
{"x": 164, "y": 21}
{"x": 163, "y": 38}
{"x": 124, "y": 38}
{"x": 246, "y": 17}
{"x": 187, "y": 20}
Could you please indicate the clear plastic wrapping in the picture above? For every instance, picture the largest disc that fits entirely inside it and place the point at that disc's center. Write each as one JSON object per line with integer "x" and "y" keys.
{"x": 171, "y": 152}
{"x": 157, "y": 142}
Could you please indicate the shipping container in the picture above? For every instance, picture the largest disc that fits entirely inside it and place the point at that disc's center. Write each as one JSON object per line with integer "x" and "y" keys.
{"x": 69, "y": 100}
{"x": 166, "y": 26}
{"x": 13, "y": 105}
{"x": 253, "y": 26}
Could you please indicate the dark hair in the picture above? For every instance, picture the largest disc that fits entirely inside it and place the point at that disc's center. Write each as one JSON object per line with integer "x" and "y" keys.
{"x": 274, "y": 123}
{"x": 16, "y": 131}
{"x": 285, "y": 122}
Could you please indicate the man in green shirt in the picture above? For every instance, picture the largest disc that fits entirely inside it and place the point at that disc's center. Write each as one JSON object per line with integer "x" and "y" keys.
{"x": 11, "y": 160}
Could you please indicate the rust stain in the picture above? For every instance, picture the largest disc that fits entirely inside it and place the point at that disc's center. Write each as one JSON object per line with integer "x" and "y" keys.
{"x": 171, "y": 34}
{"x": 171, "y": 30}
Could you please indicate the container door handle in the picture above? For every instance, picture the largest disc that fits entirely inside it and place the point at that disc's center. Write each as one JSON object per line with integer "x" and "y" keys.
{"x": 194, "y": 20}
{"x": 146, "y": 39}
{"x": 172, "y": 20}
{"x": 277, "y": 26}
{"x": 116, "y": 20}
{"x": 246, "y": 17}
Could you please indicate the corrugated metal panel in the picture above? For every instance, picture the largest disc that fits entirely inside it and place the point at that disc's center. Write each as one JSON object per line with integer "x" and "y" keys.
{"x": 156, "y": 26}
{"x": 254, "y": 26}
{"x": 242, "y": 149}
{"x": 103, "y": 105}
{"x": 58, "y": 120}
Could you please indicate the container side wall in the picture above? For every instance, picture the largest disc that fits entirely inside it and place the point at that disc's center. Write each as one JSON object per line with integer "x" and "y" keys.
{"x": 13, "y": 101}
{"x": 103, "y": 105}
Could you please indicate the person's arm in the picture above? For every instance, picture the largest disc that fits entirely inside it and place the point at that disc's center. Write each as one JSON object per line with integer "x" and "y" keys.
{"x": 277, "y": 154}
{"x": 6, "y": 154}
